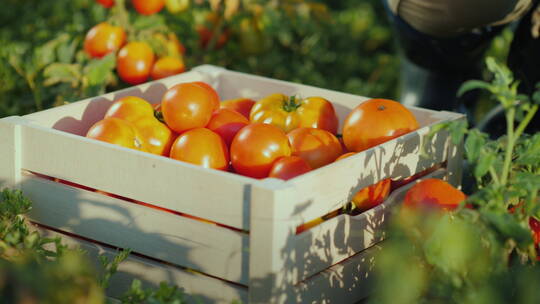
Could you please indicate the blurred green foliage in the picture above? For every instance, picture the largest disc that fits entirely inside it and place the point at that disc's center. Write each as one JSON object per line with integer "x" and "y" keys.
{"x": 346, "y": 46}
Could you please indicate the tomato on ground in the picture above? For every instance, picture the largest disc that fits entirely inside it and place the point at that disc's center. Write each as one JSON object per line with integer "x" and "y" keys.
{"x": 255, "y": 148}
{"x": 148, "y": 7}
{"x": 167, "y": 66}
{"x": 103, "y": 39}
{"x": 203, "y": 147}
{"x": 117, "y": 131}
{"x": 291, "y": 112}
{"x": 371, "y": 196}
{"x": 240, "y": 105}
{"x": 433, "y": 193}
{"x": 227, "y": 123}
{"x": 187, "y": 106}
{"x": 316, "y": 146}
{"x": 376, "y": 121}
{"x": 134, "y": 62}
{"x": 287, "y": 167}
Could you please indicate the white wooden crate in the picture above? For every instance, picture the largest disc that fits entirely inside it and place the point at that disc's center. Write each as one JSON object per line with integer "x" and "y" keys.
{"x": 253, "y": 254}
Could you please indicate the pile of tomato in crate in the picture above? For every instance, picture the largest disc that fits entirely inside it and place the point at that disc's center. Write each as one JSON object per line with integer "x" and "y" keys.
{"x": 277, "y": 136}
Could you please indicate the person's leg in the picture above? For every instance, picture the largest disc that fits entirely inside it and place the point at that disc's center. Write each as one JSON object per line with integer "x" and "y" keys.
{"x": 434, "y": 67}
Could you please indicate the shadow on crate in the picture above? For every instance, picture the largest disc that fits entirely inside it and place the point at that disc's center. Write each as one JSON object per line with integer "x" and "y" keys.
{"x": 97, "y": 107}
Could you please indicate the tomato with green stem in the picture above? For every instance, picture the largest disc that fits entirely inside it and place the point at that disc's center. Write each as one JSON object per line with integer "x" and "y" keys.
{"x": 291, "y": 112}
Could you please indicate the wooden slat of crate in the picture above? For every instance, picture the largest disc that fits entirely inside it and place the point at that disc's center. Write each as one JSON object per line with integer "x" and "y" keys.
{"x": 211, "y": 194}
{"x": 176, "y": 239}
{"x": 343, "y": 236}
{"x": 329, "y": 187}
{"x": 197, "y": 287}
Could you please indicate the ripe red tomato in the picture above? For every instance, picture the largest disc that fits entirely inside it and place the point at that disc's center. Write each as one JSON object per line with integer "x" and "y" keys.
{"x": 167, "y": 66}
{"x": 370, "y": 196}
{"x": 103, "y": 39}
{"x": 287, "y": 167}
{"x": 240, "y": 105}
{"x": 134, "y": 62}
{"x": 148, "y": 7}
{"x": 435, "y": 194}
{"x": 187, "y": 106}
{"x": 117, "y": 131}
{"x": 227, "y": 123}
{"x": 316, "y": 146}
{"x": 255, "y": 148}
{"x": 290, "y": 112}
{"x": 106, "y": 3}
{"x": 157, "y": 137}
{"x": 201, "y": 146}
{"x": 376, "y": 121}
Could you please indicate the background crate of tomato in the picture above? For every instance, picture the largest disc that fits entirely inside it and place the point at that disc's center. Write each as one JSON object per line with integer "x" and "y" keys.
{"x": 219, "y": 235}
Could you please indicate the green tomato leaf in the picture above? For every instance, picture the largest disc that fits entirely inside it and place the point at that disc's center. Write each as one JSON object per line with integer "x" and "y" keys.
{"x": 474, "y": 143}
{"x": 62, "y": 72}
{"x": 508, "y": 225}
{"x": 472, "y": 85}
{"x": 485, "y": 161}
{"x": 98, "y": 71}
{"x": 458, "y": 129}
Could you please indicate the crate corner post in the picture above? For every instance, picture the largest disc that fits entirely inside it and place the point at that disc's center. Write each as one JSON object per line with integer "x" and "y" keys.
{"x": 271, "y": 232}
{"x": 10, "y": 151}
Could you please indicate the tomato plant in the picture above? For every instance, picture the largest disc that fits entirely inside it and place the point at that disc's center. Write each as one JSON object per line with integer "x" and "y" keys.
{"x": 103, "y": 39}
{"x": 255, "y": 148}
{"x": 290, "y": 112}
{"x": 203, "y": 147}
{"x": 188, "y": 105}
{"x": 316, "y": 146}
{"x": 288, "y": 167}
{"x": 227, "y": 123}
{"x": 391, "y": 119}
{"x": 134, "y": 62}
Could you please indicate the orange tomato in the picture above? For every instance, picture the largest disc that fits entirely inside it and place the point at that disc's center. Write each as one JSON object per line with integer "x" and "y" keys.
{"x": 201, "y": 146}
{"x": 103, "y": 39}
{"x": 106, "y": 3}
{"x": 288, "y": 167}
{"x": 371, "y": 196}
{"x": 227, "y": 123}
{"x": 167, "y": 66}
{"x": 156, "y": 136}
{"x": 316, "y": 146}
{"x": 255, "y": 148}
{"x": 211, "y": 91}
{"x": 134, "y": 62}
{"x": 240, "y": 105}
{"x": 148, "y": 7}
{"x": 118, "y": 132}
{"x": 290, "y": 112}
{"x": 433, "y": 193}
{"x": 376, "y": 121}
{"x": 187, "y": 106}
